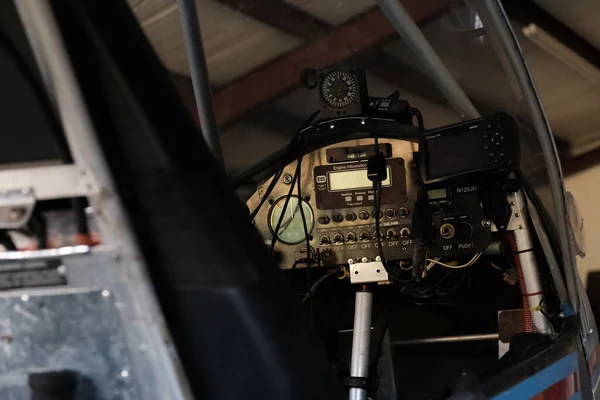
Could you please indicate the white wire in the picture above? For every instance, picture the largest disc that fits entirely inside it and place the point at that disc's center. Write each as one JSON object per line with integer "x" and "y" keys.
{"x": 433, "y": 262}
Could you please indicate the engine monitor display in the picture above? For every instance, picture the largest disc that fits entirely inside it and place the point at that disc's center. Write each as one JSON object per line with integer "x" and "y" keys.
{"x": 354, "y": 179}
{"x": 346, "y": 185}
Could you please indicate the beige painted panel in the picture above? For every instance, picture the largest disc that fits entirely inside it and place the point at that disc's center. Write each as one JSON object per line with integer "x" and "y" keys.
{"x": 333, "y": 11}
{"x": 234, "y": 43}
{"x": 584, "y": 186}
{"x": 577, "y": 119}
{"x": 555, "y": 81}
{"x": 580, "y": 15}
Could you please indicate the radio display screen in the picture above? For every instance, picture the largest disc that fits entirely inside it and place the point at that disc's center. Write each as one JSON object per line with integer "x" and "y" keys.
{"x": 456, "y": 153}
{"x": 354, "y": 179}
{"x": 437, "y": 194}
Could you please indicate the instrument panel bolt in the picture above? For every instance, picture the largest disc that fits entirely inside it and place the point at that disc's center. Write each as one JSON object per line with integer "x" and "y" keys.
{"x": 486, "y": 223}
{"x": 350, "y": 261}
{"x": 365, "y": 259}
{"x": 378, "y": 258}
{"x": 512, "y": 203}
{"x": 287, "y": 179}
{"x": 517, "y": 215}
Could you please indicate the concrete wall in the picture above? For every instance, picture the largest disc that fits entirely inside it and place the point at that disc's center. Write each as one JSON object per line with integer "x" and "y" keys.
{"x": 585, "y": 186}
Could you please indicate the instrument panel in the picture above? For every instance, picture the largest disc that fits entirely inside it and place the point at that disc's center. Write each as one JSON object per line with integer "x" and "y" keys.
{"x": 338, "y": 204}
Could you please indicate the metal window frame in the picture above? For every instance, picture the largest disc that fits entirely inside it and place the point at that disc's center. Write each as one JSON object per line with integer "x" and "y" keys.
{"x": 156, "y": 364}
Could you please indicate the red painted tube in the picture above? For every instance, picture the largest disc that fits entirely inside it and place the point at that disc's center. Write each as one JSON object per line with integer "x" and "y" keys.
{"x": 527, "y": 322}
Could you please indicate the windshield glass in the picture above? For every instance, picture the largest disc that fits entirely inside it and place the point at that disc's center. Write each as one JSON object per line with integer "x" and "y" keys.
{"x": 256, "y": 51}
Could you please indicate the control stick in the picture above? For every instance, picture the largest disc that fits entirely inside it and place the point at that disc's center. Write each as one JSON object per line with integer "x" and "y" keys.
{"x": 361, "y": 339}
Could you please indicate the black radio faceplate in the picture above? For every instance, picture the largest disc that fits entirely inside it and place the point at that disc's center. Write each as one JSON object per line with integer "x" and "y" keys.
{"x": 346, "y": 185}
{"x": 486, "y": 146}
{"x": 460, "y": 225}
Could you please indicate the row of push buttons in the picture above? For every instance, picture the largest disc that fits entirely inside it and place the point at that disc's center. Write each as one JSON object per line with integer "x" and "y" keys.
{"x": 370, "y": 197}
{"x": 339, "y": 238}
{"x": 363, "y": 215}
{"x": 496, "y": 139}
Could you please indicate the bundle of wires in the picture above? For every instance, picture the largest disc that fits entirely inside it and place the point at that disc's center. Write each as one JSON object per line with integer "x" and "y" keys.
{"x": 315, "y": 285}
{"x": 434, "y": 262}
{"x": 417, "y": 113}
{"x": 299, "y": 142}
{"x": 425, "y": 290}
{"x": 377, "y": 173}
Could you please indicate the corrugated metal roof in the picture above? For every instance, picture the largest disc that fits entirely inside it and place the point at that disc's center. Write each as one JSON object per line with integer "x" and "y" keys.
{"x": 566, "y": 95}
{"x": 334, "y": 12}
{"x": 234, "y": 43}
{"x": 580, "y": 15}
{"x": 244, "y": 145}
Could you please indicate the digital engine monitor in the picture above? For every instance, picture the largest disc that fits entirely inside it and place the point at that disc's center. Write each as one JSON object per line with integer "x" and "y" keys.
{"x": 346, "y": 185}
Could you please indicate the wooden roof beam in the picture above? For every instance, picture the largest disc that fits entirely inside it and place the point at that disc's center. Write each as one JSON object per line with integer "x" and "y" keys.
{"x": 282, "y": 16}
{"x": 281, "y": 75}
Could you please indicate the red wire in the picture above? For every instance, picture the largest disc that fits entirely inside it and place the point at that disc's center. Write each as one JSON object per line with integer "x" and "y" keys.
{"x": 527, "y": 322}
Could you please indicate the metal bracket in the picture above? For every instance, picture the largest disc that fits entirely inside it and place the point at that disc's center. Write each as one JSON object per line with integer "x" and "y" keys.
{"x": 367, "y": 272}
{"x": 516, "y": 220}
{"x": 16, "y": 207}
{"x": 51, "y": 181}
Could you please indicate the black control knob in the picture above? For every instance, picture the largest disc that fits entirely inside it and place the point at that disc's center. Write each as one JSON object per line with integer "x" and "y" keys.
{"x": 364, "y": 235}
{"x": 324, "y": 220}
{"x": 324, "y": 240}
{"x": 403, "y": 212}
{"x": 350, "y": 216}
{"x": 373, "y": 214}
{"x": 404, "y": 232}
{"x": 463, "y": 230}
{"x": 351, "y": 237}
{"x": 338, "y": 218}
{"x": 338, "y": 238}
{"x": 391, "y": 234}
{"x": 390, "y": 213}
{"x": 363, "y": 215}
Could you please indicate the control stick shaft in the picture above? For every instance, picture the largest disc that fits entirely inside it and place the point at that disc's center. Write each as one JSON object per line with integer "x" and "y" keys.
{"x": 361, "y": 339}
